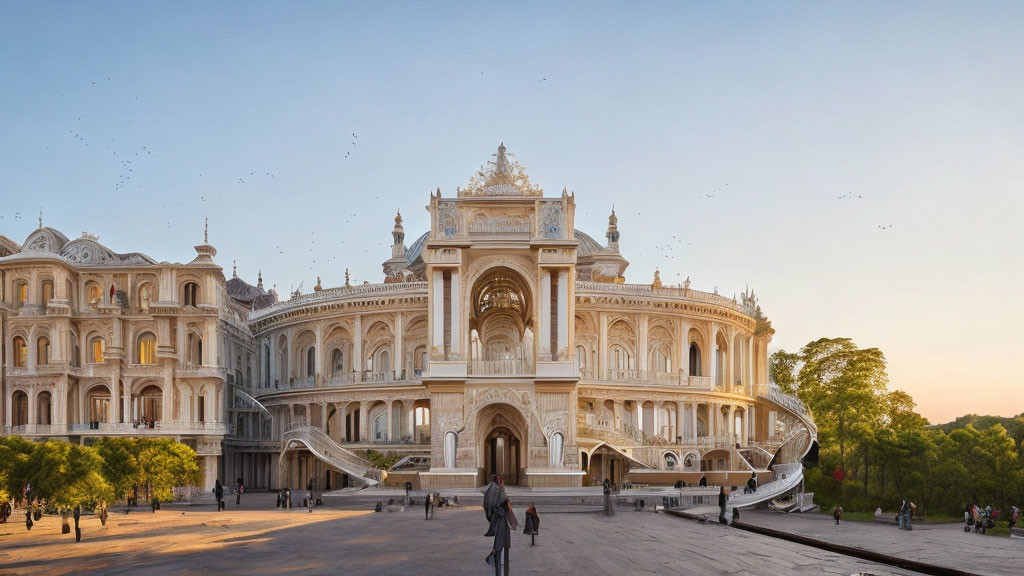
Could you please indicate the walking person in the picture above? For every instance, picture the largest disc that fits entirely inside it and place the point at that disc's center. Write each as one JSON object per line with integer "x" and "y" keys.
{"x": 837, "y": 513}
{"x": 426, "y": 506}
{"x": 218, "y": 492}
{"x": 607, "y": 489}
{"x": 532, "y": 527}
{"x": 239, "y": 488}
{"x": 499, "y": 515}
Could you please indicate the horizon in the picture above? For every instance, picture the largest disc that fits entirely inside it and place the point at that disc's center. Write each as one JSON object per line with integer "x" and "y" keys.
{"x": 868, "y": 187}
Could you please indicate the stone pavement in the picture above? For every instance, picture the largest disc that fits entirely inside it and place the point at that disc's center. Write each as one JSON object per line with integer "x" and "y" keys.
{"x": 259, "y": 539}
{"x": 943, "y": 545}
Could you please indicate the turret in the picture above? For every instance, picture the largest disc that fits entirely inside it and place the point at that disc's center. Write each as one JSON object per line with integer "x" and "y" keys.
{"x": 613, "y": 232}
{"x": 395, "y": 267}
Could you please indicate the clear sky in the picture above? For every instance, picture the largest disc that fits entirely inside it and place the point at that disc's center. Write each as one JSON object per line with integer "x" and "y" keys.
{"x": 735, "y": 127}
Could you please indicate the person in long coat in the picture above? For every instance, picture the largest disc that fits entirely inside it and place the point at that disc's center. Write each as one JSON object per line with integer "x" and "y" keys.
{"x": 532, "y": 527}
{"x": 497, "y": 512}
{"x": 218, "y": 492}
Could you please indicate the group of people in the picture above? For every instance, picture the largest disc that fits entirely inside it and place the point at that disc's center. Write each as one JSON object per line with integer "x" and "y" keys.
{"x": 981, "y": 519}
{"x": 501, "y": 521}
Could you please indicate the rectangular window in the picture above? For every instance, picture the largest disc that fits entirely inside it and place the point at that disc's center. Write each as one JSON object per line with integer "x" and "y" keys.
{"x": 21, "y": 295}
{"x": 97, "y": 351}
{"x": 201, "y": 411}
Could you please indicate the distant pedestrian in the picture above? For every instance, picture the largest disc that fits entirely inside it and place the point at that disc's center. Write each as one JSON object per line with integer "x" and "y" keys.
{"x": 426, "y": 507}
{"x": 1011, "y": 520}
{"x": 532, "y": 528}
{"x": 837, "y": 513}
{"x": 218, "y": 492}
{"x": 607, "y": 490}
{"x": 28, "y": 518}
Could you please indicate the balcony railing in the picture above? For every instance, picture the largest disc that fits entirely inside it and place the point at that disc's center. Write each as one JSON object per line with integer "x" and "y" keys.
{"x": 509, "y": 367}
{"x": 126, "y": 428}
{"x": 648, "y": 376}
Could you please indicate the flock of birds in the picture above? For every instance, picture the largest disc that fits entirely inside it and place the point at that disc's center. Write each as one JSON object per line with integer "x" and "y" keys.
{"x": 128, "y": 160}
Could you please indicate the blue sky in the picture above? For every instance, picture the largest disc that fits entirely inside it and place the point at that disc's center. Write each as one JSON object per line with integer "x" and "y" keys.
{"x": 245, "y": 112}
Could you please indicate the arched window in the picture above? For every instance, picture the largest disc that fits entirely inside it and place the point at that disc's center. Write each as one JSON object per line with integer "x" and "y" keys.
{"x": 20, "y": 293}
{"x": 96, "y": 350}
{"x": 337, "y": 362}
{"x": 695, "y": 369}
{"x": 450, "y": 443}
{"x": 93, "y": 295}
{"x": 660, "y": 361}
{"x": 191, "y": 294}
{"x": 151, "y": 402}
{"x": 44, "y": 408}
{"x": 581, "y": 357}
{"x": 311, "y": 362}
{"x": 384, "y": 364}
{"x": 47, "y": 291}
{"x": 42, "y": 351}
{"x": 620, "y": 358}
{"x": 147, "y": 348}
{"x": 20, "y": 352}
{"x": 555, "y": 449}
{"x": 99, "y": 404}
{"x": 195, "y": 349}
{"x": 19, "y": 408}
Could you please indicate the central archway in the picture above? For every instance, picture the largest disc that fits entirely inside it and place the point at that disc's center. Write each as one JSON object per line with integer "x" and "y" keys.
{"x": 502, "y": 443}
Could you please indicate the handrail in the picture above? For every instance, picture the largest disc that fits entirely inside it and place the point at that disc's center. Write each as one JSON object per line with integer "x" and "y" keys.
{"x": 787, "y": 477}
{"x": 326, "y": 449}
{"x": 678, "y": 292}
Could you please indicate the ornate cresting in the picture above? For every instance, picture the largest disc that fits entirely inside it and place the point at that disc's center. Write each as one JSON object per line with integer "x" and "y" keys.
{"x": 503, "y": 176}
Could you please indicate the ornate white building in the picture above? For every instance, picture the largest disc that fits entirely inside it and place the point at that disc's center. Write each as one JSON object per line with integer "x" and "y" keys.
{"x": 501, "y": 341}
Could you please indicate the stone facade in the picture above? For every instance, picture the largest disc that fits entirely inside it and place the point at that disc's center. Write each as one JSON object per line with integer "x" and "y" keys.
{"x": 502, "y": 340}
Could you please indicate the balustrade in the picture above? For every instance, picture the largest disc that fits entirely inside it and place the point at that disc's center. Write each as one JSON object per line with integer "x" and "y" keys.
{"x": 508, "y": 367}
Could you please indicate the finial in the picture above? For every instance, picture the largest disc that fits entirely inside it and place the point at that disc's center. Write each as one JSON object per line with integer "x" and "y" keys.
{"x": 40, "y": 217}
{"x": 317, "y": 288}
{"x": 234, "y": 269}
{"x": 347, "y": 284}
{"x": 259, "y": 279}
{"x": 206, "y": 230}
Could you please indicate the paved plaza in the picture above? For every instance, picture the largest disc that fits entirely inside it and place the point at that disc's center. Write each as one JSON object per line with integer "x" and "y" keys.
{"x": 943, "y": 545}
{"x": 259, "y": 539}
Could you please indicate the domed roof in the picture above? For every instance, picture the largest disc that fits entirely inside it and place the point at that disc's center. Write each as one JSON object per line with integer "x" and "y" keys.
{"x": 588, "y": 246}
{"x": 416, "y": 250}
{"x": 45, "y": 239}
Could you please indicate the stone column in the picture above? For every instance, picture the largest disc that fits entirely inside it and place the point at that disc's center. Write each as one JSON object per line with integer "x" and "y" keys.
{"x": 681, "y": 429}
{"x": 749, "y": 379}
{"x": 546, "y": 346}
{"x": 456, "y": 315}
{"x": 399, "y": 362}
{"x": 437, "y": 312}
{"x": 731, "y": 429}
{"x": 115, "y": 398}
{"x": 364, "y": 425}
{"x": 563, "y": 314}
{"x": 693, "y": 422}
{"x": 641, "y": 345}
{"x": 387, "y": 432}
{"x": 357, "y": 347}
{"x": 602, "y": 344}
{"x": 712, "y": 354}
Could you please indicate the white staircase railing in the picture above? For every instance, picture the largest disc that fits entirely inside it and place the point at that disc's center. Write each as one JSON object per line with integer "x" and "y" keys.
{"x": 326, "y": 449}
{"x": 787, "y": 477}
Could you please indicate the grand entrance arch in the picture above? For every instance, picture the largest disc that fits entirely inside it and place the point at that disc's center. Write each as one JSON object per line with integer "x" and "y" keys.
{"x": 502, "y": 443}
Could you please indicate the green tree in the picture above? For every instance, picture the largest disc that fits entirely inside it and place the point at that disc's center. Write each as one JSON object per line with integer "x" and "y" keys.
{"x": 121, "y": 466}
{"x": 67, "y": 475}
{"x": 782, "y": 369}
{"x": 842, "y": 385}
{"x": 166, "y": 464}
{"x": 15, "y": 453}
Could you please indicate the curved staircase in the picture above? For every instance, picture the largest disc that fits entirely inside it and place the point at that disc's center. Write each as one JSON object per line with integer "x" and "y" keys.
{"x": 326, "y": 449}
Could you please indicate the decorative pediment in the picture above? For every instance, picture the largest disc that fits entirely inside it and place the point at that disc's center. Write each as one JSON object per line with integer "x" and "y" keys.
{"x": 503, "y": 176}
{"x": 45, "y": 240}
